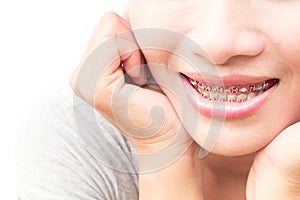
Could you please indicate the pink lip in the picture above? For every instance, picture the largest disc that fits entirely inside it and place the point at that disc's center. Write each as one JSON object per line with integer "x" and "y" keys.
{"x": 226, "y": 109}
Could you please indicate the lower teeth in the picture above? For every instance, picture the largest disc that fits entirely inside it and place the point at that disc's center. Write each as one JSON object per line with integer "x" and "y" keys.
{"x": 238, "y": 94}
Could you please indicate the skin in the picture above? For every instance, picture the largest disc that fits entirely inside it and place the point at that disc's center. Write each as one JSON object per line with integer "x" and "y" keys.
{"x": 249, "y": 45}
{"x": 255, "y": 157}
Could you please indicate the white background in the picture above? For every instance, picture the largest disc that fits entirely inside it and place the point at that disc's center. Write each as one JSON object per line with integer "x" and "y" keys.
{"x": 41, "y": 42}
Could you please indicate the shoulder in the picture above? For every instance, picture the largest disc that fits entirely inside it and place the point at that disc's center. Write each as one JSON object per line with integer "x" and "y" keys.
{"x": 68, "y": 149}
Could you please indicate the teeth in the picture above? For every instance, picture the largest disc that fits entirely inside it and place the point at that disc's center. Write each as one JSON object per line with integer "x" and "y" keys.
{"x": 231, "y": 98}
{"x": 260, "y": 92}
{"x": 200, "y": 85}
{"x": 222, "y": 97}
{"x": 205, "y": 95}
{"x": 193, "y": 82}
{"x": 243, "y": 89}
{"x": 238, "y": 94}
{"x": 208, "y": 88}
{"x": 251, "y": 88}
{"x": 259, "y": 87}
{"x": 221, "y": 90}
{"x": 215, "y": 89}
{"x": 268, "y": 84}
{"x": 250, "y": 96}
{"x": 213, "y": 96}
{"x": 241, "y": 98}
{"x": 234, "y": 90}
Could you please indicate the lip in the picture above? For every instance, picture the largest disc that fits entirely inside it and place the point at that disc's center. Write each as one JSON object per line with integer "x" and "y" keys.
{"x": 227, "y": 110}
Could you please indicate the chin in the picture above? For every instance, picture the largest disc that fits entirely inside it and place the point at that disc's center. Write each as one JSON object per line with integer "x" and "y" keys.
{"x": 237, "y": 137}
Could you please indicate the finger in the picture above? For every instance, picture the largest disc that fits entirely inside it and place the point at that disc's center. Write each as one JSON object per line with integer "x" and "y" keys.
{"x": 284, "y": 152}
{"x": 111, "y": 50}
{"x": 109, "y": 26}
{"x": 137, "y": 73}
{"x": 275, "y": 173}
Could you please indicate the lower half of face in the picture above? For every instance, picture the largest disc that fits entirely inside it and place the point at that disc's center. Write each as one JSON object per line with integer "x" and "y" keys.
{"x": 225, "y": 118}
{"x": 240, "y": 105}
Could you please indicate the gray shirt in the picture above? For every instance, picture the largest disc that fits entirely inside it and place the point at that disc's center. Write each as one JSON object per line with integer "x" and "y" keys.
{"x": 71, "y": 152}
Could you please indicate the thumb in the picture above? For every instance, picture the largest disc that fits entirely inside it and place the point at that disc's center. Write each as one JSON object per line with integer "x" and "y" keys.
{"x": 275, "y": 173}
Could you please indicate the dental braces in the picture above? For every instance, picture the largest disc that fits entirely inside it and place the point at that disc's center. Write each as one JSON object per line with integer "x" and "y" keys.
{"x": 238, "y": 94}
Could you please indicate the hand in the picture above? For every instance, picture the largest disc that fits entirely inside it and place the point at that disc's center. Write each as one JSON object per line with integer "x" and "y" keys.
{"x": 275, "y": 173}
{"x": 111, "y": 97}
{"x": 127, "y": 104}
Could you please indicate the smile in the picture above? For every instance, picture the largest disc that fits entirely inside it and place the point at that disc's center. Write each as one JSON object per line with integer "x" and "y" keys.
{"x": 239, "y": 93}
{"x": 238, "y": 97}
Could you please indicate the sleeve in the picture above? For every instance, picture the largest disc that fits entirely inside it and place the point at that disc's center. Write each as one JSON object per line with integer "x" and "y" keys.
{"x": 71, "y": 152}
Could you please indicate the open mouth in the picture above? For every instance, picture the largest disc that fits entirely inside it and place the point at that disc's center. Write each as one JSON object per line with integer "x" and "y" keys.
{"x": 234, "y": 93}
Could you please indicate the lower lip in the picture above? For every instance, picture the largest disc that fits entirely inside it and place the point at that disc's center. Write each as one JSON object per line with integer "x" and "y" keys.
{"x": 226, "y": 110}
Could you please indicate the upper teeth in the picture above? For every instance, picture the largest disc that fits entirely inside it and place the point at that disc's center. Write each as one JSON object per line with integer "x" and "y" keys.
{"x": 239, "y": 93}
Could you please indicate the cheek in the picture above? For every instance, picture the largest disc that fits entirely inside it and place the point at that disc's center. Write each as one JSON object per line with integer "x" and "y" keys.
{"x": 289, "y": 50}
{"x": 293, "y": 88}
{"x": 289, "y": 47}
{"x": 170, "y": 15}
{"x": 284, "y": 42}
{"x": 283, "y": 34}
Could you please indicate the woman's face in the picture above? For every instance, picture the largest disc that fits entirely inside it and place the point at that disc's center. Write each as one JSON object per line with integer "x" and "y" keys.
{"x": 255, "y": 46}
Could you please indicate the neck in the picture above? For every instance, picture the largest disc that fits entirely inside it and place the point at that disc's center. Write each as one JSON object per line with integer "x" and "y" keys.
{"x": 227, "y": 175}
{"x": 233, "y": 166}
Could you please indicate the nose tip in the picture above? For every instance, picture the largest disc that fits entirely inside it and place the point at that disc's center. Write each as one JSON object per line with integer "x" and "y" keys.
{"x": 223, "y": 45}
{"x": 243, "y": 44}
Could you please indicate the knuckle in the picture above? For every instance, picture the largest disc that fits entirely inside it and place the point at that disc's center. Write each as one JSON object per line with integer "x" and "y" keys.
{"x": 110, "y": 15}
{"x": 107, "y": 26}
{"x": 110, "y": 18}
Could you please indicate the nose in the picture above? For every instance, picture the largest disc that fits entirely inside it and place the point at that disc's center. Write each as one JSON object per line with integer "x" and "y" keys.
{"x": 226, "y": 30}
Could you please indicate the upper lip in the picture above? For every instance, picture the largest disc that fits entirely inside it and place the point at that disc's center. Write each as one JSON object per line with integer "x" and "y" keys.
{"x": 228, "y": 80}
